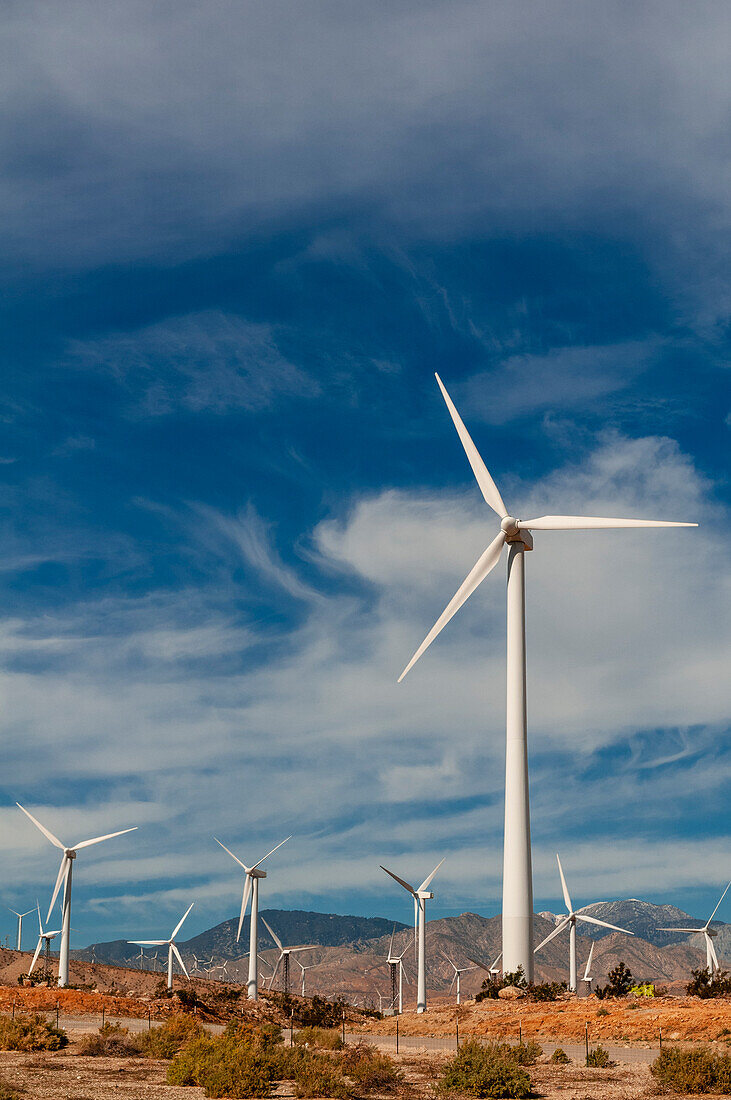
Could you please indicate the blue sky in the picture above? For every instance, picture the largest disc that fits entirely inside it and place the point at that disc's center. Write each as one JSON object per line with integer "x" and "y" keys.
{"x": 237, "y": 241}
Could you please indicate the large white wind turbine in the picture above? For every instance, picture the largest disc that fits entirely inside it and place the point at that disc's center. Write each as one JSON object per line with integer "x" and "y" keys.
{"x": 284, "y": 954}
{"x": 708, "y": 933}
{"x": 569, "y": 921}
{"x": 517, "y": 917}
{"x": 251, "y": 890}
{"x": 64, "y": 876}
{"x": 420, "y": 895}
{"x": 171, "y": 946}
{"x": 20, "y": 924}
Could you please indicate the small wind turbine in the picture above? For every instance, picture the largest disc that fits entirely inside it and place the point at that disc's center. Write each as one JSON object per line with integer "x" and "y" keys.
{"x": 569, "y": 921}
{"x": 139, "y": 959}
{"x": 458, "y": 972}
{"x": 251, "y": 889}
{"x": 44, "y": 939}
{"x": 304, "y": 968}
{"x": 171, "y": 946}
{"x": 284, "y": 953}
{"x": 708, "y": 933}
{"x": 421, "y": 895}
{"x": 64, "y": 876}
{"x": 517, "y": 916}
{"x": 20, "y": 924}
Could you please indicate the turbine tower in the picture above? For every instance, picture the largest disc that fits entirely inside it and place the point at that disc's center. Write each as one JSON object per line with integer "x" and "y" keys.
{"x": 171, "y": 946}
{"x": 395, "y": 964}
{"x": 284, "y": 953}
{"x": 421, "y": 895}
{"x": 44, "y": 938}
{"x": 517, "y": 916}
{"x": 458, "y": 972}
{"x": 251, "y": 890}
{"x": 708, "y": 933}
{"x": 569, "y": 921}
{"x": 64, "y": 875}
{"x": 20, "y": 924}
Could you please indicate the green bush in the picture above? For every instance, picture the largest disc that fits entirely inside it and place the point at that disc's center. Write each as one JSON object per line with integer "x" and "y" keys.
{"x": 317, "y": 1075}
{"x": 493, "y": 984}
{"x": 370, "y": 1069}
{"x": 223, "y": 1067}
{"x": 560, "y": 1057}
{"x": 110, "y": 1040}
{"x": 693, "y": 1071}
{"x": 324, "y": 1037}
{"x": 704, "y": 984}
{"x": 619, "y": 984}
{"x": 546, "y": 991}
{"x": 32, "y": 1032}
{"x": 599, "y": 1058}
{"x": 526, "y": 1054}
{"x": 488, "y": 1071}
{"x": 167, "y": 1040}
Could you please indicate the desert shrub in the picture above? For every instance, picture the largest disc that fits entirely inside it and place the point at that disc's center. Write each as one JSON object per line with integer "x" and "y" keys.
{"x": 326, "y": 1038}
{"x": 602, "y": 1011}
{"x": 619, "y": 984}
{"x": 317, "y": 1075}
{"x": 493, "y": 984}
{"x": 526, "y": 1054}
{"x": 693, "y": 1071}
{"x": 318, "y": 1012}
{"x": 487, "y": 1071}
{"x": 546, "y": 991}
{"x": 109, "y": 1040}
{"x": 188, "y": 998}
{"x": 643, "y": 989}
{"x": 31, "y": 1032}
{"x": 8, "y": 1093}
{"x": 167, "y": 1040}
{"x": 560, "y": 1057}
{"x": 599, "y": 1058}
{"x": 704, "y": 984}
{"x": 370, "y": 1069}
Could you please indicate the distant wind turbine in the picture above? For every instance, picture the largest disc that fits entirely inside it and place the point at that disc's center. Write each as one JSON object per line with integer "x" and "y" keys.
{"x": 708, "y": 934}
{"x": 304, "y": 968}
{"x": 171, "y": 946}
{"x": 64, "y": 876}
{"x": 284, "y": 953}
{"x": 517, "y": 916}
{"x": 251, "y": 890}
{"x": 420, "y": 895}
{"x": 20, "y": 924}
{"x": 44, "y": 938}
{"x": 458, "y": 972}
{"x": 569, "y": 921}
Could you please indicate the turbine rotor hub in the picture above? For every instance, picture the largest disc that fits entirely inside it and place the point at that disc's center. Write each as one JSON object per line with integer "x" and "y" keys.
{"x": 509, "y": 525}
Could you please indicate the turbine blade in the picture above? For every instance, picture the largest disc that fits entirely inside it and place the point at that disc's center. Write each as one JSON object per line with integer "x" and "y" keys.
{"x": 179, "y": 957}
{"x": 179, "y": 925}
{"x": 281, "y": 842}
{"x": 564, "y": 887}
{"x": 148, "y": 943}
{"x": 61, "y": 877}
{"x": 482, "y": 966}
{"x": 46, "y": 832}
{"x": 244, "y": 902}
{"x": 484, "y": 565}
{"x": 723, "y": 895}
{"x": 479, "y": 469}
{"x": 589, "y": 523}
{"x": 451, "y": 984}
{"x": 428, "y": 879}
{"x": 273, "y": 934}
{"x": 98, "y": 839}
{"x": 35, "y": 956}
{"x": 552, "y": 935}
{"x": 400, "y": 881}
{"x": 688, "y": 930}
{"x": 712, "y": 949}
{"x": 588, "y": 962}
{"x": 247, "y": 869}
{"x": 603, "y": 924}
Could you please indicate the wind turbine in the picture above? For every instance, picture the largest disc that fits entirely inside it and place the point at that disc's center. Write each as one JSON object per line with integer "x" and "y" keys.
{"x": 709, "y": 934}
{"x": 43, "y": 938}
{"x": 64, "y": 875}
{"x": 284, "y": 953}
{"x": 587, "y": 969}
{"x": 251, "y": 890}
{"x": 421, "y": 895}
{"x": 304, "y": 968}
{"x": 171, "y": 946}
{"x": 493, "y": 970}
{"x": 458, "y": 971}
{"x": 139, "y": 959}
{"x": 20, "y": 923}
{"x": 517, "y": 916}
{"x": 569, "y": 921}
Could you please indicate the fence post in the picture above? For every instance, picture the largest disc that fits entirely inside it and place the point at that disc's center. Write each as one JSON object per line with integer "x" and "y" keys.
{"x": 102, "y": 1015}
{"x": 458, "y": 1032}
{"x": 397, "y": 1034}
{"x": 56, "y": 1013}
{"x": 13, "y": 1010}
{"x": 291, "y": 1028}
{"x": 148, "y": 1019}
{"x": 586, "y": 1037}
{"x": 520, "y": 1032}
{"x": 661, "y": 1040}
